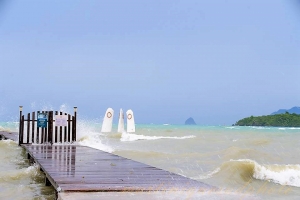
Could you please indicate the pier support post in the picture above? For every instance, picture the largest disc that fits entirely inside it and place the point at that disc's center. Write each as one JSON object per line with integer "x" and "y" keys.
{"x": 74, "y": 125}
{"x": 30, "y": 158}
{"x": 50, "y": 127}
{"x": 47, "y": 182}
{"x": 20, "y": 126}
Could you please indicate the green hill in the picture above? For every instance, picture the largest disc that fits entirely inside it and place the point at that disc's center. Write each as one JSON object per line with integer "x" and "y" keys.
{"x": 295, "y": 110}
{"x": 279, "y": 120}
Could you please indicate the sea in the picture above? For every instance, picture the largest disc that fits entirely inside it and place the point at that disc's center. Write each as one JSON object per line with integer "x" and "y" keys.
{"x": 243, "y": 162}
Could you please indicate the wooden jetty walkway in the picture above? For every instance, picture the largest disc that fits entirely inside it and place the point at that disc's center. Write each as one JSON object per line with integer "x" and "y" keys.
{"x": 75, "y": 171}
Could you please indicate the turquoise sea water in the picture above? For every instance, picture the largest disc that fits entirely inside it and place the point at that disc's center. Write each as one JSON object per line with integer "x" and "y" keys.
{"x": 249, "y": 162}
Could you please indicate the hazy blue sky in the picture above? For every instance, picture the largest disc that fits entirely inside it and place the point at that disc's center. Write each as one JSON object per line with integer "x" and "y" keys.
{"x": 214, "y": 60}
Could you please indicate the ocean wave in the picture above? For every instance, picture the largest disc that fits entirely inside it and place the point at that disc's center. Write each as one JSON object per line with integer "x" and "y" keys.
{"x": 281, "y": 174}
{"x": 260, "y": 127}
{"x": 232, "y": 127}
{"x": 289, "y": 128}
{"x": 208, "y": 175}
{"x": 5, "y": 129}
{"x": 95, "y": 142}
{"x": 19, "y": 174}
{"x": 126, "y": 137}
{"x": 246, "y": 168}
{"x": 8, "y": 145}
{"x": 113, "y": 135}
{"x": 7, "y": 142}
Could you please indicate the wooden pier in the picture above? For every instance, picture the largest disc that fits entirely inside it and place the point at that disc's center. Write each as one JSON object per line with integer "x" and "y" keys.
{"x": 73, "y": 169}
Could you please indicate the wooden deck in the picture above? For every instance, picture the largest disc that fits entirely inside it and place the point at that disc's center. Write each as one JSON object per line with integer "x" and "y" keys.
{"x": 75, "y": 168}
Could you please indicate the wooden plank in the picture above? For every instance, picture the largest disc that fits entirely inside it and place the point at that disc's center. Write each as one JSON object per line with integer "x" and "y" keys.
{"x": 65, "y": 132}
{"x": 33, "y": 121}
{"x": 75, "y": 124}
{"x": 69, "y": 128}
{"x": 43, "y": 133}
{"x": 110, "y": 173}
{"x": 50, "y": 127}
{"x": 60, "y": 131}
{"x": 129, "y": 187}
{"x": 37, "y": 131}
{"x": 28, "y": 127}
{"x": 73, "y": 129}
{"x": 22, "y": 129}
{"x": 55, "y": 132}
{"x": 46, "y": 130}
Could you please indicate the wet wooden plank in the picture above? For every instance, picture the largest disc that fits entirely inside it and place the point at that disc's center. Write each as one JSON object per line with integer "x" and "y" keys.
{"x": 80, "y": 168}
{"x": 130, "y": 187}
{"x": 74, "y": 168}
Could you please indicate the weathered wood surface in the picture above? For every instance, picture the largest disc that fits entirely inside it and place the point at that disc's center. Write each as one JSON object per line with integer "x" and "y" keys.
{"x": 74, "y": 168}
{"x": 79, "y": 168}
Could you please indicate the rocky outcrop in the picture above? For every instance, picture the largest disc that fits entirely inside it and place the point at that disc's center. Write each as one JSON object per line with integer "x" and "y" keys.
{"x": 190, "y": 121}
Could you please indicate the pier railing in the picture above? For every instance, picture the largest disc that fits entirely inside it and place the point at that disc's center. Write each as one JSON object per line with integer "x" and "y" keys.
{"x": 47, "y": 127}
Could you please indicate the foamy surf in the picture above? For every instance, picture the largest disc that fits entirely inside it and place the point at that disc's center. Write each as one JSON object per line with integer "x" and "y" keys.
{"x": 287, "y": 175}
{"x": 281, "y": 174}
{"x": 129, "y": 137}
{"x": 19, "y": 174}
{"x": 208, "y": 175}
{"x": 95, "y": 142}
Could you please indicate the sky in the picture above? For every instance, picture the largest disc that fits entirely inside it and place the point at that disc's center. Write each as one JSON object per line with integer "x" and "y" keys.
{"x": 214, "y": 60}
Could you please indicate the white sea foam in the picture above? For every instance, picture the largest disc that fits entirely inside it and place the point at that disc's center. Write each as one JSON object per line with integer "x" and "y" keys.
{"x": 260, "y": 127}
{"x": 289, "y": 128}
{"x": 208, "y": 175}
{"x": 18, "y": 174}
{"x": 232, "y": 127}
{"x": 281, "y": 174}
{"x": 126, "y": 137}
{"x": 88, "y": 135}
{"x": 95, "y": 142}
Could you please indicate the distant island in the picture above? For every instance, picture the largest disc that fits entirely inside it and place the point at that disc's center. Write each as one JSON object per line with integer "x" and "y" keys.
{"x": 190, "y": 121}
{"x": 277, "y": 120}
{"x": 295, "y": 110}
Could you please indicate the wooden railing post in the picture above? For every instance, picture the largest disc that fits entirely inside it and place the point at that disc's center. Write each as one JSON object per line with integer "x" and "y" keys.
{"x": 46, "y": 128}
{"x": 37, "y": 131}
{"x": 33, "y": 121}
{"x": 43, "y": 132}
{"x": 20, "y": 126}
{"x": 22, "y": 129}
{"x": 50, "y": 127}
{"x": 74, "y": 124}
{"x": 60, "y": 131}
{"x": 28, "y": 127}
{"x": 55, "y": 135}
{"x": 69, "y": 128}
{"x": 65, "y": 132}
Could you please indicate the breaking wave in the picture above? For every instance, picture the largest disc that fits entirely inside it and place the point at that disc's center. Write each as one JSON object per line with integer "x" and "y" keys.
{"x": 126, "y": 137}
{"x": 95, "y": 142}
{"x": 288, "y": 175}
